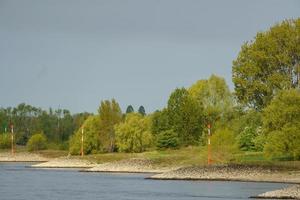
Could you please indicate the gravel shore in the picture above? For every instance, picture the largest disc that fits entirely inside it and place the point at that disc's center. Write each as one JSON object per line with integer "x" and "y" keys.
{"x": 65, "y": 162}
{"x": 230, "y": 173}
{"x": 134, "y": 165}
{"x": 292, "y": 192}
{"x": 22, "y": 157}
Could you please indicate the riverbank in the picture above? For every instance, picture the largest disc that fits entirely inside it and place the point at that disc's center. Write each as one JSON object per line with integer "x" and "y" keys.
{"x": 65, "y": 162}
{"x": 133, "y": 165}
{"x": 292, "y": 192}
{"x": 231, "y": 173}
{"x": 22, "y": 157}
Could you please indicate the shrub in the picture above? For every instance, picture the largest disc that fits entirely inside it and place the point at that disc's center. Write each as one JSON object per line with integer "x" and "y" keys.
{"x": 91, "y": 139}
{"x": 5, "y": 141}
{"x": 37, "y": 142}
{"x": 134, "y": 134}
{"x": 223, "y": 145}
{"x": 167, "y": 139}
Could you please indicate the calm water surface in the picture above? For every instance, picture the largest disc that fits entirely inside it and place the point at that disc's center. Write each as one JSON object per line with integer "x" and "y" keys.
{"x": 18, "y": 182}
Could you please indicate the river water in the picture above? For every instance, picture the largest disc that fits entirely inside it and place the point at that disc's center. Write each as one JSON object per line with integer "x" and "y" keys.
{"x": 18, "y": 182}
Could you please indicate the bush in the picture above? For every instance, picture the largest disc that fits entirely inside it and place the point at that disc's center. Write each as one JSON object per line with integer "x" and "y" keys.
{"x": 167, "y": 139}
{"x": 5, "y": 141}
{"x": 284, "y": 144}
{"x": 246, "y": 139}
{"x": 92, "y": 143}
{"x": 37, "y": 142}
{"x": 223, "y": 145}
{"x": 134, "y": 134}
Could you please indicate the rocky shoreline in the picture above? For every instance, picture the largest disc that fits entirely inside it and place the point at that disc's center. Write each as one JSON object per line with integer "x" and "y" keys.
{"x": 292, "y": 192}
{"x": 22, "y": 157}
{"x": 134, "y": 165}
{"x": 65, "y": 162}
{"x": 230, "y": 173}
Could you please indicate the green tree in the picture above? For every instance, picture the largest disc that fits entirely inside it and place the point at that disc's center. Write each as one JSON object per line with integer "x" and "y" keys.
{"x": 160, "y": 121}
{"x": 215, "y": 97}
{"x": 281, "y": 124}
{"x": 167, "y": 139}
{"x": 268, "y": 64}
{"x": 142, "y": 110}
{"x": 91, "y": 137}
{"x": 37, "y": 142}
{"x": 185, "y": 116}
{"x": 134, "y": 134}
{"x": 110, "y": 114}
{"x": 129, "y": 109}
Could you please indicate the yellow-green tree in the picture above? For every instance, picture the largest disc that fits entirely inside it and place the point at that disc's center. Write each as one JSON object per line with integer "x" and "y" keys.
{"x": 281, "y": 125}
{"x": 110, "y": 114}
{"x": 134, "y": 134}
{"x": 268, "y": 64}
{"x": 215, "y": 97}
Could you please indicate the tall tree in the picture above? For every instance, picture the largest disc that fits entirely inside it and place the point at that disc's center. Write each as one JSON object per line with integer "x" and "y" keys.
{"x": 129, "y": 109}
{"x": 268, "y": 64}
{"x": 215, "y": 97}
{"x": 185, "y": 116}
{"x": 110, "y": 114}
{"x": 142, "y": 110}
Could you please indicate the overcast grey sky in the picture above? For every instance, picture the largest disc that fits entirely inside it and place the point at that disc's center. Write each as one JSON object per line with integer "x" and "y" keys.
{"x": 74, "y": 53}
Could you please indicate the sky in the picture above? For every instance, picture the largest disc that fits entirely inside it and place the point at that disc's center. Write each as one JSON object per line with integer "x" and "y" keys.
{"x": 74, "y": 53}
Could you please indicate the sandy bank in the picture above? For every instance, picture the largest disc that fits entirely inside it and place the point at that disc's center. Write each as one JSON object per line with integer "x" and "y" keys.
{"x": 231, "y": 173}
{"x": 22, "y": 157}
{"x": 292, "y": 192}
{"x": 134, "y": 165}
{"x": 65, "y": 162}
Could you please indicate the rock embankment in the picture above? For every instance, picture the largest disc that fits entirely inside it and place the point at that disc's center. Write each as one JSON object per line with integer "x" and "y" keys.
{"x": 292, "y": 192}
{"x": 65, "y": 162}
{"x": 22, "y": 157}
{"x": 232, "y": 173}
{"x": 134, "y": 165}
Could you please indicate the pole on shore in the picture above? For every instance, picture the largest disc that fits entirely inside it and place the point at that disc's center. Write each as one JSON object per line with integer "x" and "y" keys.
{"x": 82, "y": 141}
{"x": 12, "y": 139}
{"x": 209, "y": 160}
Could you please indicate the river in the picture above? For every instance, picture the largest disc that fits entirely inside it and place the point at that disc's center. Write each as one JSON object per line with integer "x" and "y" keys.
{"x": 19, "y": 182}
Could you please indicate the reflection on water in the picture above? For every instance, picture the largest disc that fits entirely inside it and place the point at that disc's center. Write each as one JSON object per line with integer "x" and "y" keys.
{"x": 18, "y": 182}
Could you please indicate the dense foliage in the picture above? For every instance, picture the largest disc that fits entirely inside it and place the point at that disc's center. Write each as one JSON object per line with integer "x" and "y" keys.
{"x": 268, "y": 64}
{"x": 134, "y": 135}
{"x": 281, "y": 124}
{"x": 37, "y": 142}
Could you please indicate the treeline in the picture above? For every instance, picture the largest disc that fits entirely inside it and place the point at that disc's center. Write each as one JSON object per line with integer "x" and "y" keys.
{"x": 57, "y": 125}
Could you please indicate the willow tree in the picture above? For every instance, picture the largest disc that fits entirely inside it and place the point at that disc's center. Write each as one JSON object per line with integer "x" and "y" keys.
{"x": 268, "y": 64}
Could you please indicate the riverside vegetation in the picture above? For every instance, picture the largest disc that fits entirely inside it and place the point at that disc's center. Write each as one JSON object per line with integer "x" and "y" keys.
{"x": 257, "y": 123}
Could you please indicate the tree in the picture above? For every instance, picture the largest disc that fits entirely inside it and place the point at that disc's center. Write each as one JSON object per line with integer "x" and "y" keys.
{"x": 281, "y": 124}
{"x": 110, "y": 114}
{"x": 129, "y": 109}
{"x": 37, "y": 142}
{"x": 142, "y": 110}
{"x": 92, "y": 141}
{"x": 134, "y": 134}
{"x": 215, "y": 97}
{"x": 167, "y": 139}
{"x": 268, "y": 64}
{"x": 160, "y": 121}
{"x": 185, "y": 116}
